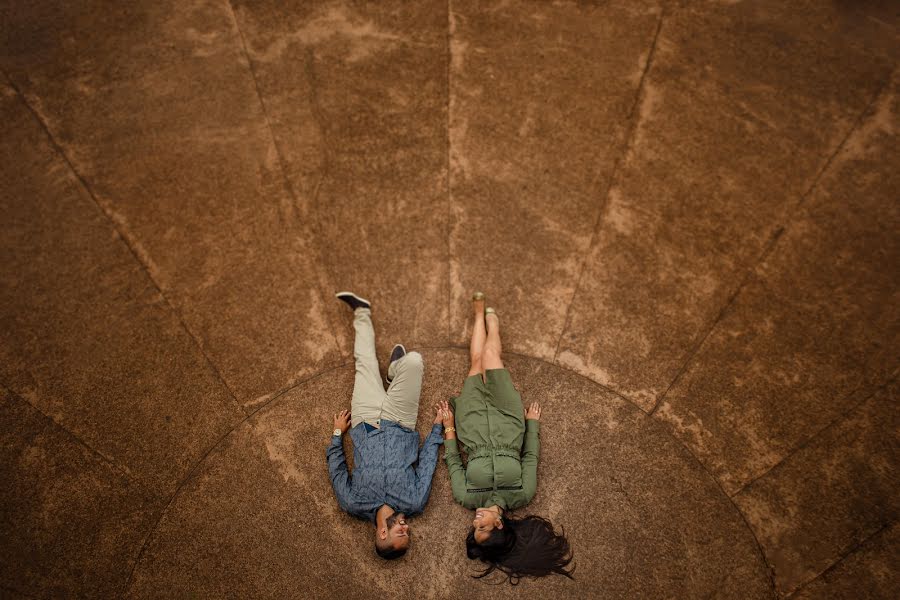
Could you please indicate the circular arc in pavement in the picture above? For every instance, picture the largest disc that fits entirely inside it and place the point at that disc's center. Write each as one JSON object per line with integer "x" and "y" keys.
{"x": 643, "y": 516}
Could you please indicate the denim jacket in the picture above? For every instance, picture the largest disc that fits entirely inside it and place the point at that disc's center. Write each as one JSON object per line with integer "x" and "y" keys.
{"x": 385, "y": 469}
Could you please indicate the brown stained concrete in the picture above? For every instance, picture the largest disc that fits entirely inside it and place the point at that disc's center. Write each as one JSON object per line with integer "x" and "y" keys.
{"x": 870, "y": 572}
{"x": 741, "y": 108}
{"x": 830, "y": 495}
{"x": 539, "y": 103}
{"x": 55, "y": 540}
{"x": 90, "y": 342}
{"x": 682, "y": 208}
{"x": 356, "y": 95}
{"x": 813, "y": 333}
{"x": 155, "y": 107}
{"x": 626, "y": 493}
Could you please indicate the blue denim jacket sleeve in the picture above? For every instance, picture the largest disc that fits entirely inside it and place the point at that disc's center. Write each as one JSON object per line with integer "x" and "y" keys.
{"x": 427, "y": 463}
{"x": 340, "y": 476}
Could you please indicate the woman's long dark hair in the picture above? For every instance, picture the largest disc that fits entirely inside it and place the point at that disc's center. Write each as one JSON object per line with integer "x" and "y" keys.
{"x": 527, "y": 547}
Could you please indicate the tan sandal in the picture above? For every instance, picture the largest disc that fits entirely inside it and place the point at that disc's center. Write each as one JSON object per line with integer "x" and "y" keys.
{"x": 478, "y": 296}
{"x": 490, "y": 311}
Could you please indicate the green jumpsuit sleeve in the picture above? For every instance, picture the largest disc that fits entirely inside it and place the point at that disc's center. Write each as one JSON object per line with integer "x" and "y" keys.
{"x": 456, "y": 469}
{"x": 530, "y": 450}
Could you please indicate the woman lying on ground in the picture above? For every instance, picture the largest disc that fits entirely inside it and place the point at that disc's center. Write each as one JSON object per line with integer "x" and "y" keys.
{"x": 501, "y": 442}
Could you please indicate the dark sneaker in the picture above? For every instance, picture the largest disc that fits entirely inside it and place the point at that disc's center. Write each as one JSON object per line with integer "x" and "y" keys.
{"x": 396, "y": 354}
{"x": 352, "y": 300}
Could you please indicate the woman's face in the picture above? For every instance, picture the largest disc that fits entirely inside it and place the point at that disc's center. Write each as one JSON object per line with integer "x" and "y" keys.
{"x": 486, "y": 519}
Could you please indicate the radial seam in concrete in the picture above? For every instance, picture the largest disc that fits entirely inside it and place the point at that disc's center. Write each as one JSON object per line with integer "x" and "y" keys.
{"x": 206, "y": 454}
{"x": 770, "y": 574}
{"x": 325, "y": 168}
{"x": 141, "y": 485}
{"x": 462, "y": 349}
{"x": 125, "y": 240}
{"x": 449, "y": 225}
{"x": 281, "y": 165}
{"x": 843, "y": 416}
{"x": 771, "y": 244}
{"x": 847, "y": 553}
{"x": 626, "y": 146}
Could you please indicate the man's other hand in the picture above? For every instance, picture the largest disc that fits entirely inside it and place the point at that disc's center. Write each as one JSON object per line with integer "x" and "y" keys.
{"x": 342, "y": 421}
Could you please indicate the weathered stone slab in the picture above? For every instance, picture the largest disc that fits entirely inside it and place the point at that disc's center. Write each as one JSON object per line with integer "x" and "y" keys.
{"x": 605, "y": 471}
{"x": 72, "y": 522}
{"x": 829, "y": 496}
{"x": 540, "y": 95}
{"x": 815, "y": 331}
{"x": 870, "y": 572}
{"x": 357, "y": 97}
{"x": 155, "y": 106}
{"x": 86, "y": 337}
{"x": 740, "y": 110}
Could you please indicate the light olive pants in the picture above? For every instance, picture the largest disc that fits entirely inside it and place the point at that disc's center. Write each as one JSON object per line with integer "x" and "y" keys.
{"x": 371, "y": 402}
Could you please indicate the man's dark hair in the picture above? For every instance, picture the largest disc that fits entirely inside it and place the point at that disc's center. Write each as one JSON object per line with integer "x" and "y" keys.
{"x": 389, "y": 553}
{"x": 527, "y": 547}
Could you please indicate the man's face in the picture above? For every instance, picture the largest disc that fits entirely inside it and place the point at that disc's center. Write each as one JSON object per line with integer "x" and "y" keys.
{"x": 397, "y": 531}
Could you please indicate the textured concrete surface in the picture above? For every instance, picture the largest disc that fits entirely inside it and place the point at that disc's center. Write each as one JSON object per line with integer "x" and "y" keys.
{"x": 829, "y": 495}
{"x": 72, "y": 521}
{"x": 685, "y": 212}
{"x": 90, "y": 341}
{"x": 356, "y": 98}
{"x": 157, "y": 110}
{"x": 607, "y": 496}
{"x": 740, "y": 110}
{"x": 816, "y": 316}
{"x": 870, "y": 572}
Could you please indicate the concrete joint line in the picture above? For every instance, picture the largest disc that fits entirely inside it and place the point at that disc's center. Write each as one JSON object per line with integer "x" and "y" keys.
{"x": 771, "y": 244}
{"x": 196, "y": 466}
{"x": 279, "y": 394}
{"x": 831, "y": 424}
{"x": 631, "y": 130}
{"x": 126, "y": 239}
{"x": 148, "y": 493}
{"x": 847, "y": 553}
{"x": 288, "y": 186}
{"x": 449, "y": 225}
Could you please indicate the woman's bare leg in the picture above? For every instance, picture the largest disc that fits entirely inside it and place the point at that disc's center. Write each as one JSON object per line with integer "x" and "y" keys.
{"x": 476, "y": 346}
{"x": 492, "y": 349}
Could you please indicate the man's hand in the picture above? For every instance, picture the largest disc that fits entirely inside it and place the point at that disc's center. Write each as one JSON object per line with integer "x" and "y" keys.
{"x": 534, "y": 412}
{"x": 446, "y": 414}
{"x": 438, "y": 414}
{"x": 342, "y": 421}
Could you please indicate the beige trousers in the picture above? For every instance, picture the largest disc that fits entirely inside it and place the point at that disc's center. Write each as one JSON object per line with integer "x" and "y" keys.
{"x": 371, "y": 403}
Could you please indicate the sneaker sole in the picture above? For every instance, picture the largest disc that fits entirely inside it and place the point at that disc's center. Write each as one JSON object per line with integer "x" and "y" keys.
{"x": 352, "y": 295}
{"x": 390, "y": 379}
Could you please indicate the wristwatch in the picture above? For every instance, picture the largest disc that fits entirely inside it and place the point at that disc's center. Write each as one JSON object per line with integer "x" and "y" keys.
{"x": 338, "y": 432}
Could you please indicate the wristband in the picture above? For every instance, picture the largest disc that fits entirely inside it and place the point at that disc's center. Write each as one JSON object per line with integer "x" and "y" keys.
{"x": 449, "y": 429}
{"x": 337, "y": 432}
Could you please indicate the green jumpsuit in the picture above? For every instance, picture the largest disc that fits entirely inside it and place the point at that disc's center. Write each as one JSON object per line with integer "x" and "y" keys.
{"x": 502, "y": 446}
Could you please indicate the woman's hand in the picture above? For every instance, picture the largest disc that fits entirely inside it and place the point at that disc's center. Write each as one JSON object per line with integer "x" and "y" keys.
{"x": 342, "y": 421}
{"x": 447, "y": 414}
{"x": 447, "y": 419}
{"x": 534, "y": 412}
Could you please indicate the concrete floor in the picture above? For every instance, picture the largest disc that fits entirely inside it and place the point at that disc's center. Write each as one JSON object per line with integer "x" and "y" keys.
{"x": 685, "y": 212}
